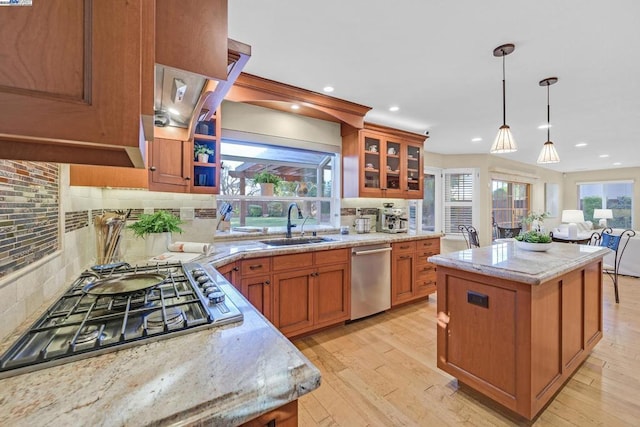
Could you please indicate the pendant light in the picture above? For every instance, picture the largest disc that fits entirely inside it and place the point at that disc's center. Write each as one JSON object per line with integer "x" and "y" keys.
{"x": 548, "y": 153}
{"x": 504, "y": 142}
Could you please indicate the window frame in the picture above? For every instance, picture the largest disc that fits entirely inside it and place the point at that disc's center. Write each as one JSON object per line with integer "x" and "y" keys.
{"x": 474, "y": 203}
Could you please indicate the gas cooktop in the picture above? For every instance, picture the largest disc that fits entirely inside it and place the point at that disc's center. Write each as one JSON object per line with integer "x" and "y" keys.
{"x": 114, "y": 307}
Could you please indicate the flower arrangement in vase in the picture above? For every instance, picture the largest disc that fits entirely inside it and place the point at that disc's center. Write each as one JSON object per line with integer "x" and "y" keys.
{"x": 202, "y": 152}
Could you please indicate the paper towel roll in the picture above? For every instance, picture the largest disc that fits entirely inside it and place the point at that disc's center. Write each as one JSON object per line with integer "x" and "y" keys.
{"x": 191, "y": 247}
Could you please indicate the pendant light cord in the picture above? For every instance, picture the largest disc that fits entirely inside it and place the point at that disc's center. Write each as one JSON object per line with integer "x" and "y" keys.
{"x": 504, "y": 96}
{"x": 548, "y": 114}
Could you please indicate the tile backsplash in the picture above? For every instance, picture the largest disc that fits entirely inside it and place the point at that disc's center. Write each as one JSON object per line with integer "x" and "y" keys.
{"x": 29, "y": 213}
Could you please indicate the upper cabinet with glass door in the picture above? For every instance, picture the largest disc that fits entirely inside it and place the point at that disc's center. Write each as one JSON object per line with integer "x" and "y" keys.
{"x": 382, "y": 162}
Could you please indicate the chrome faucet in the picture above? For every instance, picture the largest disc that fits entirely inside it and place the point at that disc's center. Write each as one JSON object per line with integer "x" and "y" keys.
{"x": 289, "y": 225}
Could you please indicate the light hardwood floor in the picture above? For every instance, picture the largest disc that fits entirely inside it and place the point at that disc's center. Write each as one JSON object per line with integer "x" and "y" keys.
{"x": 381, "y": 371}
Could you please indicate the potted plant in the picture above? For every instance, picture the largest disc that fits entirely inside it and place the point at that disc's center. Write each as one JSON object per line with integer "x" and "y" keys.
{"x": 267, "y": 181}
{"x": 156, "y": 229}
{"x": 202, "y": 152}
{"x": 535, "y": 220}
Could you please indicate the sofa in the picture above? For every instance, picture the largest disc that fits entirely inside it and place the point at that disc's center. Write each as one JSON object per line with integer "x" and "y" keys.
{"x": 629, "y": 265}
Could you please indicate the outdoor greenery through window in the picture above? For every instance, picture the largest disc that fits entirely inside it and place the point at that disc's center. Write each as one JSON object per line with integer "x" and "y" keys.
{"x": 510, "y": 203}
{"x": 260, "y": 181}
{"x": 616, "y": 196}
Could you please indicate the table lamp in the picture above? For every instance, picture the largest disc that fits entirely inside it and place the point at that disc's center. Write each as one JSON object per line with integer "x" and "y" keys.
{"x": 603, "y": 215}
{"x": 572, "y": 216}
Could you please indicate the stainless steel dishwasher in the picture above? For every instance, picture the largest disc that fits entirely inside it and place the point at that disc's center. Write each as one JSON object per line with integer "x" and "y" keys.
{"x": 370, "y": 280}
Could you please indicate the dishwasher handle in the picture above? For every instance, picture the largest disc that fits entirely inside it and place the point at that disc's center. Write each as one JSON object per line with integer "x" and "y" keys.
{"x": 371, "y": 251}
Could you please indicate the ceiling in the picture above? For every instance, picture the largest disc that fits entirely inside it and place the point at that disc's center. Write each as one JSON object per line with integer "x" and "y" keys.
{"x": 434, "y": 60}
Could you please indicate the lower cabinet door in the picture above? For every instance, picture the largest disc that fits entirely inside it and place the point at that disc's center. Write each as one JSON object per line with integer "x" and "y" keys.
{"x": 293, "y": 301}
{"x": 332, "y": 294}
{"x": 402, "y": 278}
{"x": 257, "y": 290}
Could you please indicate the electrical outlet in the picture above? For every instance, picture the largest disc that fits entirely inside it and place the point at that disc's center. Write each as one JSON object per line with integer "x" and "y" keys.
{"x": 187, "y": 214}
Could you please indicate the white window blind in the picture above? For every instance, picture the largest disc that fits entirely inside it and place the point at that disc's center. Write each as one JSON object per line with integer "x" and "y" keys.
{"x": 458, "y": 199}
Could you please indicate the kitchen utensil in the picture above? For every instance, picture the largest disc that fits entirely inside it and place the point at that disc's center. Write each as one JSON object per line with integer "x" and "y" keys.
{"x": 124, "y": 284}
{"x": 362, "y": 224}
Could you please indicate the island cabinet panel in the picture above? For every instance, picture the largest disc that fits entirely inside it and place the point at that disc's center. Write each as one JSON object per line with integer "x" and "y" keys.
{"x": 284, "y": 416}
{"x": 514, "y": 342}
{"x": 494, "y": 362}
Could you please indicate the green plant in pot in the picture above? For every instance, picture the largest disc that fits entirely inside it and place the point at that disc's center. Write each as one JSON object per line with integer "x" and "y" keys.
{"x": 267, "y": 181}
{"x": 156, "y": 229}
{"x": 202, "y": 152}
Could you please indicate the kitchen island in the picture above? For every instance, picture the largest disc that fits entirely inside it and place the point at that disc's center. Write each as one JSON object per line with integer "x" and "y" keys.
{"x": 514, "y": 325}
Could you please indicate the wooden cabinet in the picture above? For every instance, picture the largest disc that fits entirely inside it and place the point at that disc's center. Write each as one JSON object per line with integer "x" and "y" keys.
{"x": 313, "y": 295}
{"x": 77, "y": 89}
{"x": 192, "y": 36}
{"x": 284, "y": 416}
{"x": 255, "y": 284}
{"x": 299, "y": 293}
{"x": 173, "y": 165}
{"x": 230, "y": 272}
{"x": 517, "y": 343}
{"x": 412, "y": 276}
{"x": 169, "y": 165}
{"x": 382, "y": 162}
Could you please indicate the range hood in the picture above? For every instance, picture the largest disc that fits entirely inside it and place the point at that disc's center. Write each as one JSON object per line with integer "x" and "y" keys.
{"x": 178, "y": 93}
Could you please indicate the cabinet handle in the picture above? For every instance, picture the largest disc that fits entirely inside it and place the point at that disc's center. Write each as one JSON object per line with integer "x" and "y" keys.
{"x": 404, "y": 247}
{"x": 255, "y": 266}
{"x": 267, "y": 282}
{"x": 427, "y": 268}
{"x": 152, "y": 168}
{"x": 187, "y": 178}
{"x": 236, "y": 268}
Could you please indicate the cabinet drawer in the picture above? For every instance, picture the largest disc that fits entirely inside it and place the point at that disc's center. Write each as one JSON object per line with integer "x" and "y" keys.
{"x": 425, "y": 269}
{"x": 288, "y": 262}
{"x": 334, "y": 256}
{"x": 404, "y": 247}
{"x": 429, "y": 245}
{"x": 253, "y": 266}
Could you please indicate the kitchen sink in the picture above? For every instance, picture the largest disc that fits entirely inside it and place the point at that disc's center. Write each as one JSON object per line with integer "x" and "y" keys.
{"x": 296, "y": 241}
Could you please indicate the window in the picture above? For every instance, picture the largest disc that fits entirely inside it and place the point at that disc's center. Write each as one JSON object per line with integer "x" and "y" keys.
{"x": 308, "y": 178}
{"x": 510, "y": 202}
{"x": 614, "y": 195}
{"x": 459, "y": 195}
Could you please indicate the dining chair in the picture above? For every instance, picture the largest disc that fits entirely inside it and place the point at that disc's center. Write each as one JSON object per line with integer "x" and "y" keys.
{"x": 507, "y": 232}
{"x": 470, "y": 235}
{"x": 617, "y": 243}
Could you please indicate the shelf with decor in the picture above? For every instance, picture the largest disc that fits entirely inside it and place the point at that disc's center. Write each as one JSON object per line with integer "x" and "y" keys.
{"x": 206, "y": 156}
{"x": 382, "y": 162}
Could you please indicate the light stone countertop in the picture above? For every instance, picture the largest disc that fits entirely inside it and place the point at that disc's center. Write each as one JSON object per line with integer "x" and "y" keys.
{"x": 507, "y": 261}
{"x": 222, "y": 375}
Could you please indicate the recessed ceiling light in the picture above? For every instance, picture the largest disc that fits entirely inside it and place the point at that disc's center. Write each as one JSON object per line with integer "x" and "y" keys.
{"x": 617, "y": 164}
{"x": 477, "y": 139}
{"x": 581, "y": 144}
{"x": 394, "y": 108}
{"x": 544, "y": 126}
{"x": 328, "y": 89}
{"x": 602, "y": 156}
{"x": 295, "y": 107}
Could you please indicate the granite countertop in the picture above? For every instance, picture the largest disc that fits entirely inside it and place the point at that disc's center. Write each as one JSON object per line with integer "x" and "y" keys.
{"x": 507, "y": 261}
{"x": 231, "y": 249}
{"x": 223, "y": 375}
